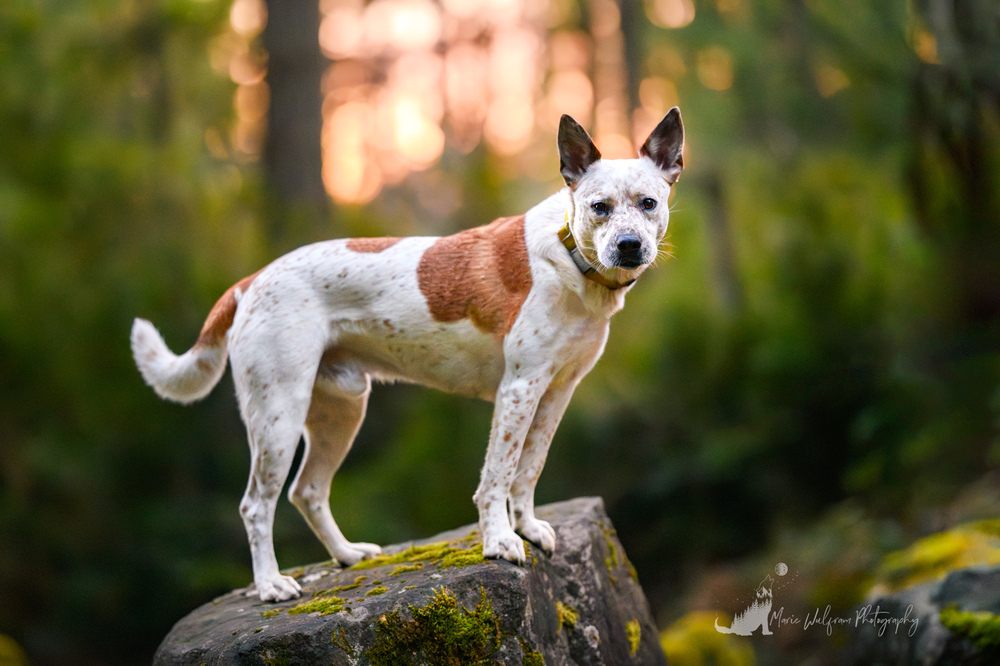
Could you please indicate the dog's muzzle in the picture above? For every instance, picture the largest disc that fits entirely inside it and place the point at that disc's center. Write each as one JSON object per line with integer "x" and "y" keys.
{"x": 629, "y": 247}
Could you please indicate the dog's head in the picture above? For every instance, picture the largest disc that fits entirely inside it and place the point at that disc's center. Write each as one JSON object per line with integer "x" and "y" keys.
{"x": 620, "y": 209}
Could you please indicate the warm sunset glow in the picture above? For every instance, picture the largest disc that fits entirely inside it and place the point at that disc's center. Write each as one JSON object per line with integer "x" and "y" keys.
{"x": 670, "y": 13}
{"x": 348, "y": 173}
{"x": 428, "y": 74}
{"x": 715, "y": 68}
{"x": 248, "y": 17}
{"x": 658, "y": 95}
{"x": 402, "y": 24}
{"x": 615, "y": 146}
{"x": 341, "y": 34}
{"x": 569, "y": 92}
{"x": 418, "y": 139}
{"x": 509, "y": 124}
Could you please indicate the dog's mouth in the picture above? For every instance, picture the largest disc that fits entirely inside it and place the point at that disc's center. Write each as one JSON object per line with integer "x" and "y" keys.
{"x": 630, "y": 262}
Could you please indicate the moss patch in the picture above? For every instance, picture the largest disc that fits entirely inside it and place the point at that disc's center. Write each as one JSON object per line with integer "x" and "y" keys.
{"x": 271, "y": 613}
{"x": 343, "y": 588}
{"x": 441, "y": 633}
{"x": 980, "y": 627}
{"x": 403, "y": 568}
{"x": 693, "y": 640}
{"x": 934, "y": 556}
{"x": 567, "y": 615}
{"x": 634, "y": 633}
{"x": 381, "y": 589}
{"x": 443, "y": 553}
{"x": 325, "y": 605}
{"x": 342, "y": 642}
{"x": 531, "y": 657}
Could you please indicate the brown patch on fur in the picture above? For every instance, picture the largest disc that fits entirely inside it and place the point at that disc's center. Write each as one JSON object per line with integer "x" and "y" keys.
{"x": 481, "y": 273}
{"x": 220, "y": 318}
{"x": 371, "y": 244}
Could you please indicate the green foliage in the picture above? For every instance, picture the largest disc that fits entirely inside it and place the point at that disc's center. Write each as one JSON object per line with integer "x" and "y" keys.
{"x": 441, "y": 633}
{"x": 981, "y": 627}
{"x": 693, "y": 641}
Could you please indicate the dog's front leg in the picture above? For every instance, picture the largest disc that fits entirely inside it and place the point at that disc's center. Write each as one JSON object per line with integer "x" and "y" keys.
{"x": 536, "y": 447}
{"x": 516, "y": 402}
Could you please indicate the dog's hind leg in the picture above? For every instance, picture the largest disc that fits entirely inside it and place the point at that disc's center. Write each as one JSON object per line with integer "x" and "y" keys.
{"x": 274, "y": 388}
{"x": 339, "y": 400}
{"x": 272, "y": 448}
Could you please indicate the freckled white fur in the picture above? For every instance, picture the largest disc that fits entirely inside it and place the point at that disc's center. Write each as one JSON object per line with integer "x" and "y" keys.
{"x": 318, "y": 325}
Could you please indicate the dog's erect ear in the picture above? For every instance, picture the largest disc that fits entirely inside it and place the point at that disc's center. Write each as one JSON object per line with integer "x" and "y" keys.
{"x": 576, "y": 151}
{"x": 665, "y": 145}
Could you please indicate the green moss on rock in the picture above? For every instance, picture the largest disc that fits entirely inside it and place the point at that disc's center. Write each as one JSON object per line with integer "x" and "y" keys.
{"x": 634, "y": 633}
{"x": 531, "y": 657}
{"x": 325, "y": 605}
{"x": 381, "y": 589}
{"x": 443, "y": 553}
{"x": 342, "y": 642}
{"x": 441, "y": 633}
{"x": 934, "y": 556}
{"x": 980, "y": 627}
{"x": 567, "y": 615}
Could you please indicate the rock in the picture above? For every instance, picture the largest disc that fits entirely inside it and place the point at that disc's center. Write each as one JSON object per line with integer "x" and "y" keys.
{"x": 970, "y": 601}
{"x": 439, "y": 602}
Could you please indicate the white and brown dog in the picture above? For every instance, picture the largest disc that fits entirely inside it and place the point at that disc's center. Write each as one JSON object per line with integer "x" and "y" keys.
{"x": 515, "y": 312}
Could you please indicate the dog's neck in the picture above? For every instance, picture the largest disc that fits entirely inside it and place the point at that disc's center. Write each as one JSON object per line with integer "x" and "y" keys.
{"x": 586, "y": 268}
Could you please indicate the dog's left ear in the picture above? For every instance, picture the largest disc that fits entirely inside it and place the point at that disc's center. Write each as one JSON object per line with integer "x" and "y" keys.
{"x": 576, "y": 150}
{"x": 665, "y": 145}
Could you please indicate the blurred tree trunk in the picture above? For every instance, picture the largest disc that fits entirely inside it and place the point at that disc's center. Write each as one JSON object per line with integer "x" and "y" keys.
{"x": 955, "y": 175}
{"x": 633, "y": 21}
{"x": 719, "y": 233}
{"x": 292, "y": 152}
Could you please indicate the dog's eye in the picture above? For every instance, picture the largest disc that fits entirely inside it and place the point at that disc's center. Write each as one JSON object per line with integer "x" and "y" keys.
{"x": 648, "y": 204}
{"x": 601, "y": 208}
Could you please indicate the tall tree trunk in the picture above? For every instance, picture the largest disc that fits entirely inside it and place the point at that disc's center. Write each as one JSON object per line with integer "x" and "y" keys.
{"x": 292, "y": 152}
{"x": 955, "y": 176}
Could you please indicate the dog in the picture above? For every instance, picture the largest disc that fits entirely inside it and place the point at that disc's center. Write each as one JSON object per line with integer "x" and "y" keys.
{"x": 515, "y": 312}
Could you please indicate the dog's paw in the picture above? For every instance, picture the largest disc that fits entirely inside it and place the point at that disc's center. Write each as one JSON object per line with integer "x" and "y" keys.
{"x": 504, "y": 544}
{"x": 355, "y": 552}
{"x": 279, "y": 588}
{"x": 539, "y": 533}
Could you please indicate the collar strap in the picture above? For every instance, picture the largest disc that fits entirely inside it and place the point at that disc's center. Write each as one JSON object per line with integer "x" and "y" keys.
{"x": 588, "y": 271}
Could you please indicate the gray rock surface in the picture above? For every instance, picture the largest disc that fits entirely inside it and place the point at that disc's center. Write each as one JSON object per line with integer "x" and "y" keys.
{"x": 438, "y": 602}
{"x": 927, "y": 641}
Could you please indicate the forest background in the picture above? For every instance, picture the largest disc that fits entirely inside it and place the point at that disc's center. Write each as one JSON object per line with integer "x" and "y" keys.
{"x": 813, "y": 378}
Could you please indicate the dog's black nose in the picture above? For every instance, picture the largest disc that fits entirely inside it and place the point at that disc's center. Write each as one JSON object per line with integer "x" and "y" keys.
{"x": 629, "y": 250}
{"x": 629, "y": 244}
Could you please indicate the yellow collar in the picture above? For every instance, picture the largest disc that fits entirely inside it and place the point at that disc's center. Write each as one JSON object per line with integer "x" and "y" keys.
{"x": 589, "y": 272}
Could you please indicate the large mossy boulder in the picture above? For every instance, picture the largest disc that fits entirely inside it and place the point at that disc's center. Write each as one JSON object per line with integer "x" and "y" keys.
{"x": 937, "y": 603}
{"x": 439, "y": 602}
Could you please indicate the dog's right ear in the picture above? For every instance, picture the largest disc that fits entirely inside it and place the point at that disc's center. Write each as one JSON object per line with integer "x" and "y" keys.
{"x": 576, "y": 150}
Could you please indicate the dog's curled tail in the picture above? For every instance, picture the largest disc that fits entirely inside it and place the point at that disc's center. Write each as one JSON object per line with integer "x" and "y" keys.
{"x": 194, "y": 373}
